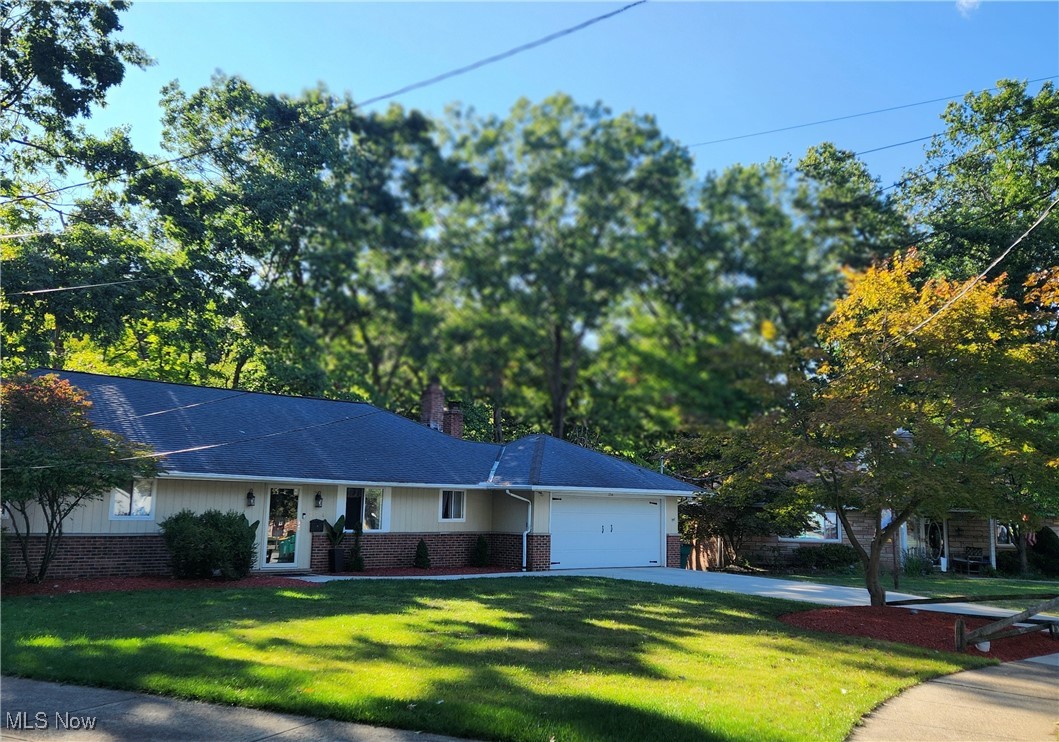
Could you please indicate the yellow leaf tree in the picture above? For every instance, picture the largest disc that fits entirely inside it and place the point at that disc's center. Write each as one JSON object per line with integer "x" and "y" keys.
{"x": 928, "y": 395}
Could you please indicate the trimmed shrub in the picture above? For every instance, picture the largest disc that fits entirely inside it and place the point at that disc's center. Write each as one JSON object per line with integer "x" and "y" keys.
{"x": 210, "y": 544}
{"x": 1007, "y": 562}
{"x": 422, "y": 557}
{"x": 826, "y": 557}
{"x": 480, "y": 555}
{"x": 917, "y": 562}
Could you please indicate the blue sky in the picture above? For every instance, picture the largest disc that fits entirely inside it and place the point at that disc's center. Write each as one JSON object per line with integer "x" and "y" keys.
{"x": 706, "y": 70}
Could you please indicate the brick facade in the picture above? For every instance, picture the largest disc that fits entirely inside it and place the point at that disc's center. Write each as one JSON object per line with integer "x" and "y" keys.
{"x": 94, "y": 556}
{"x": 539, "y": 546}
{"x": 387, "y": 550}
{"x": 672, "y": 550}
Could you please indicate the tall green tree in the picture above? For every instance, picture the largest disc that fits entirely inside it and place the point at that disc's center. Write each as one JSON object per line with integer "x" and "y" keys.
{"x": 575, "y": 202}
{"x": 986, "y": 178}
{"x": 308, "y": 219}
{"x": 57, "y": 62}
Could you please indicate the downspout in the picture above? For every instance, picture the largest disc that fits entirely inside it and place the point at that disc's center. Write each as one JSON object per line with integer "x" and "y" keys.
{"x": 529, "y": 523}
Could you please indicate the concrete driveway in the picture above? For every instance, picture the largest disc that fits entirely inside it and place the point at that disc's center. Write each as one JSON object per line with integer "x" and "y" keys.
{"x": 766, "y": 587}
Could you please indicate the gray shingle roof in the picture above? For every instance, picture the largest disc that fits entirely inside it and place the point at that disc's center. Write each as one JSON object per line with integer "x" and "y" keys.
{"x": 229, "y": 433}
{"x": 544, "y": 461}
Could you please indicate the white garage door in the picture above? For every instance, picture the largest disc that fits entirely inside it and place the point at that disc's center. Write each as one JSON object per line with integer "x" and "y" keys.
{"x": 606, "y": 532}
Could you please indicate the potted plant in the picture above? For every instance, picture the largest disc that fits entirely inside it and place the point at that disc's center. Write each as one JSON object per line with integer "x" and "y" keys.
{"x": 335, "y": 533}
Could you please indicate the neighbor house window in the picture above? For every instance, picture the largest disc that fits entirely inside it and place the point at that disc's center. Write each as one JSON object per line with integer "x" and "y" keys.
{"x": 452, "y": 503}
{"x": 823, "y": 527}
{"x": 364, "y": 504}
{"x": 133, "y": 501}
{"x": 1006, "y": 534}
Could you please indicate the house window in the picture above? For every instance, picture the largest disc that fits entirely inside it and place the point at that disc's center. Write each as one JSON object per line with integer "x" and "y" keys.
{"x": 823, "y": 528}
{"x": 364, "y": 504}
{"x": 452, "y": 505}
{"x": 1006, "y": 534}
{"x": 133, "y": 501}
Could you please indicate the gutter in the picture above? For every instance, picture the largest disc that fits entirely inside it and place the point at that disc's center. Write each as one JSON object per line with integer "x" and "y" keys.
{"x": 529, "y": 523}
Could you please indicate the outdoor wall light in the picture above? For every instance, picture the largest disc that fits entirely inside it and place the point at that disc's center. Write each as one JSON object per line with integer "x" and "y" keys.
{"x": 319, "y": 501}
{"x": 250, "y": 499}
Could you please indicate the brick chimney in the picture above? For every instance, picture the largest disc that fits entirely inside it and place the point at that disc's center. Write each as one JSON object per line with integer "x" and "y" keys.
{"x": 453, "y": 421}
{"x": 432, "y": 406}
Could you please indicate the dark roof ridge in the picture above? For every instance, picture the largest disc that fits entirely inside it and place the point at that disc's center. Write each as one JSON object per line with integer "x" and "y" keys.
{"x": 189, "y": 385}
{"x": 279, "y": 395}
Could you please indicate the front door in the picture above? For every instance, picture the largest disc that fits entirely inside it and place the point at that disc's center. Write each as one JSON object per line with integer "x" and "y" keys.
{"x": 281, "y": 532}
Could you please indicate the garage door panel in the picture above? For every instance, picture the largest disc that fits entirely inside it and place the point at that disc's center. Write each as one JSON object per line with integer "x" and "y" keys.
{"x": 605, "y": 532}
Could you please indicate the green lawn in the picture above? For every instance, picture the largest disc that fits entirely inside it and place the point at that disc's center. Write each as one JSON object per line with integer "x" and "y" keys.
{"x": 943, "y": 585}
{"x": 513, "y": 659}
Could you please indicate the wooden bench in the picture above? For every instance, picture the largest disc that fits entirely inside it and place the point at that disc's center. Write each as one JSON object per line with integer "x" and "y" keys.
{"x": 972, "y": 557}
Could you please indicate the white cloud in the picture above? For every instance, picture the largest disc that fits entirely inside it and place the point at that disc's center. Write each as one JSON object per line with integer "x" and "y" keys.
{"x": 966, "y": 7}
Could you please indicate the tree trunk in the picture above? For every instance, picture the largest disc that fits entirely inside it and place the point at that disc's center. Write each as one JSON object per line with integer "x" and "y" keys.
{"x": 871, "y": 576}
{"x": 897, "y": 563}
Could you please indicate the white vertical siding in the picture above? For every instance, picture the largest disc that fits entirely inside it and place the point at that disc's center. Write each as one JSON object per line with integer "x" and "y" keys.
{"x": 417, "y": 510}
{"x": 672, "y": 521}
{"x": 509, "y": 514}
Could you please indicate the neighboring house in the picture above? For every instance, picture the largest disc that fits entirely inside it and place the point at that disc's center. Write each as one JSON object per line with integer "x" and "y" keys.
{"x": 291, "y": 462}
{"x": 944, "y": 541}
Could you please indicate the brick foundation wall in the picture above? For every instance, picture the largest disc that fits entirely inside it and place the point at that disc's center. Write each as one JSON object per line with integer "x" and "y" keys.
{"x": 672, "y": 550}
{"x": 94, "y": 556}
{"x": 539, "y": 546}
{"x": 388, "y": 550}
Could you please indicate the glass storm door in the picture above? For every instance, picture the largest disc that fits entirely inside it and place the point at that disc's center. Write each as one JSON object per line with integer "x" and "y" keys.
{"x": 281, "y": 537}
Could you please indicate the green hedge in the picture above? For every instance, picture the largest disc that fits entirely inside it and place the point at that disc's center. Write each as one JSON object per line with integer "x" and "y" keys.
{"x": 210, "y": 544}
{"x": 826, "y": 557}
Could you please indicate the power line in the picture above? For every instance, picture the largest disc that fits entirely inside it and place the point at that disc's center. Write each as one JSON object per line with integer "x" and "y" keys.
{"x": 956, "y": 297}
{"x": 977, "y": 279}
{"x": 385, "y": 96}
{"x": 917, "y": 241}
{"x": 87, "y": 286}
{"x": 891, "y": 146}
{"x": 125, "y": 418}
{"x": 911, "y": 177}
{"x": 853, "y": 115}
{"x": 209, "y": 446}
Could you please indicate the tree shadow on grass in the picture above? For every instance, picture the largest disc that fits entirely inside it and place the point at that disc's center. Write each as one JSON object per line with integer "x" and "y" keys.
{"x": 505, "y": 657}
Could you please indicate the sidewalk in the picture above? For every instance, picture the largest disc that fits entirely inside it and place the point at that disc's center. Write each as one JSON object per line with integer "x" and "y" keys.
{"x": 120, "y": 716}
{"x": 1012, "y": 701}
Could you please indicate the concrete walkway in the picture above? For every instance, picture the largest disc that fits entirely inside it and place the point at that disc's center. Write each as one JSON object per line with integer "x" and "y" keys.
{"x": 1012, "y": 701}
{"x": 65, "y": 712}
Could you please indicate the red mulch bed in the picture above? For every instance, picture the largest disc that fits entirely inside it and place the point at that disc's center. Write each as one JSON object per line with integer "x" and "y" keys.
{"x": 104, "y": 584}
{"x": 439, "y": 572}
{"x": 928, "y": 629}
